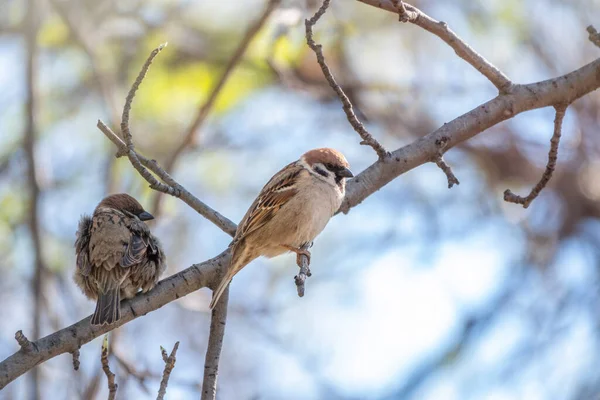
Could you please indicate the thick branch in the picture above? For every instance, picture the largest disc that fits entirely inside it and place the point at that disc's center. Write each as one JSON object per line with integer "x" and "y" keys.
{"x": 218, "y": 321}
{"x": 69, "y": 339}
{"x": 441, "y": 30}
{"x": 367, "y": 138}
{"x": 169, "y": 365}
{"x": 558, "y": 91}
{"x": 552, "y": 157}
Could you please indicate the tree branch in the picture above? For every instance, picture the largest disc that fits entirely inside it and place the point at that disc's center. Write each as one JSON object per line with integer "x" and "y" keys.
{"x": 70, "y": 338}
{"x": 552, "y": 157}
{"x": 367, "y": 138}
{"x": 441, "y": 30}
{"x": 112, "y": 385}
{"x": 214, "y": 94}
{"x": 218, "y": 321}
{"x": 169, "y": 365}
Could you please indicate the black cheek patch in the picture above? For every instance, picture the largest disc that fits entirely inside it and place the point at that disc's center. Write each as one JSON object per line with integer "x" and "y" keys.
{"x": 321, "y": 172}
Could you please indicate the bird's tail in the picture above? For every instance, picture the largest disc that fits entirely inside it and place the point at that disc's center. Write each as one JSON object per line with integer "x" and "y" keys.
{"x": 218, "y": 292}
{"x": 107, "y": 308}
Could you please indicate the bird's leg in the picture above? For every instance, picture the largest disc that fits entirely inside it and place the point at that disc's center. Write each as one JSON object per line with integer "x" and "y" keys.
{"x": 299, "y": 252}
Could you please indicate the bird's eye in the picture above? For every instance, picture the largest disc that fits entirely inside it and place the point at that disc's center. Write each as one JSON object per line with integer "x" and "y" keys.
{"x": 330, "y": 166}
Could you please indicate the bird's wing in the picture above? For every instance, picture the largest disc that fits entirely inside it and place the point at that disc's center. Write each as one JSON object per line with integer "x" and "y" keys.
{"x": 110, "y": 238}
{"x": 277, "y": 192}
{"x": 82, "y": 245}
{"x": 135, "y": 252}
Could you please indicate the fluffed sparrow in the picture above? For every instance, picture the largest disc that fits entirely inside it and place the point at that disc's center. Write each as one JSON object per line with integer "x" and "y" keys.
{"x": 116, "y": 255}
{"x": 290, "y": 211}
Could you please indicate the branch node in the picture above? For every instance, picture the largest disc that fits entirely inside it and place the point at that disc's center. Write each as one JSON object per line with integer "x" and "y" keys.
{"x": 367, "y": 138}
{"x": 26, "y": 345}
{"x": 112, "y": 385}
{"x": 525, "y": 201}
{"x": 594, "y": 36}
{"x": 169, "y": 365}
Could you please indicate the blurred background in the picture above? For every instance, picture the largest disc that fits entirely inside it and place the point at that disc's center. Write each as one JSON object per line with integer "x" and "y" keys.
{"x": 419, "y": 293}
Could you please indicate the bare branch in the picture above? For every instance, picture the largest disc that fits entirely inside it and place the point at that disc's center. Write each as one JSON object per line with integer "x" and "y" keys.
{"x": 169, "y": 365}
{"x": 112, "y": 385}
{"x": 438, "y": 159}
{"x": 129, "y": 99}
{"x": 367, "y": 139}
{"x": 552, "y": 157}
{"x": 304, "y": 273}
{"x": 594, "y": 35}
{"x": 441, "y": 30}
{"x": 70, "y": 338}
{"x": 218, "y": 321}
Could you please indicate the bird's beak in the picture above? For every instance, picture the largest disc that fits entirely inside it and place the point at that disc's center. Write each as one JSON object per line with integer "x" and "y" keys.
{"x": 345, "y": 173}
{"x": 145, "y": 216}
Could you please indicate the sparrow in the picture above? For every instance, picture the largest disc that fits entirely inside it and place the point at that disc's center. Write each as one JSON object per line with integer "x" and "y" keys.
{"x": 116, "y": 255}
{"x": 290, "y": 211}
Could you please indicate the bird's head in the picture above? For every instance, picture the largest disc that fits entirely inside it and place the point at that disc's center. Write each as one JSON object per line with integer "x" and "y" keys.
{"x": 327, "y": 164}
{"x": 126, "y": 204}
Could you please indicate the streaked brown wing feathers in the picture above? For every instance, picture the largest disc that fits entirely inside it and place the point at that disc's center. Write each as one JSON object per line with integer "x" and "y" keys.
{"x": 277, "y": 192}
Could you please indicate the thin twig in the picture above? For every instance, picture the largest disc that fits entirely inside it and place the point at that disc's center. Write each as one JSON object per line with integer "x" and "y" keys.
{"x": 367, "y": 138}
{"x": 442, "y": 143}
{"x": 594, "y": 35}
{"x": 509, "y": 196}
{"x": 460, "y": 47}
{"x": 112, "y": 385}
{"x": 218, "y": 321}
{"x": 75, "y": 354}
{"x": 169, "y": 365}
{"x": 304, "y": 273}
{"x": 129, "y": 99}
{"x": 205, "y": 109}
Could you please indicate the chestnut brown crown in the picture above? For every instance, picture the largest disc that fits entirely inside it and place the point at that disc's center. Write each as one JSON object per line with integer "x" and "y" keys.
{"x": 331, "y": 159}
{"x": 126, "y": 203}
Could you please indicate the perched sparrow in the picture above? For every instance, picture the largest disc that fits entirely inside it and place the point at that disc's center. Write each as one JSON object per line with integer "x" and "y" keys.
{"x": 290, "y": 211}
{"x": 116, "y": 255}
